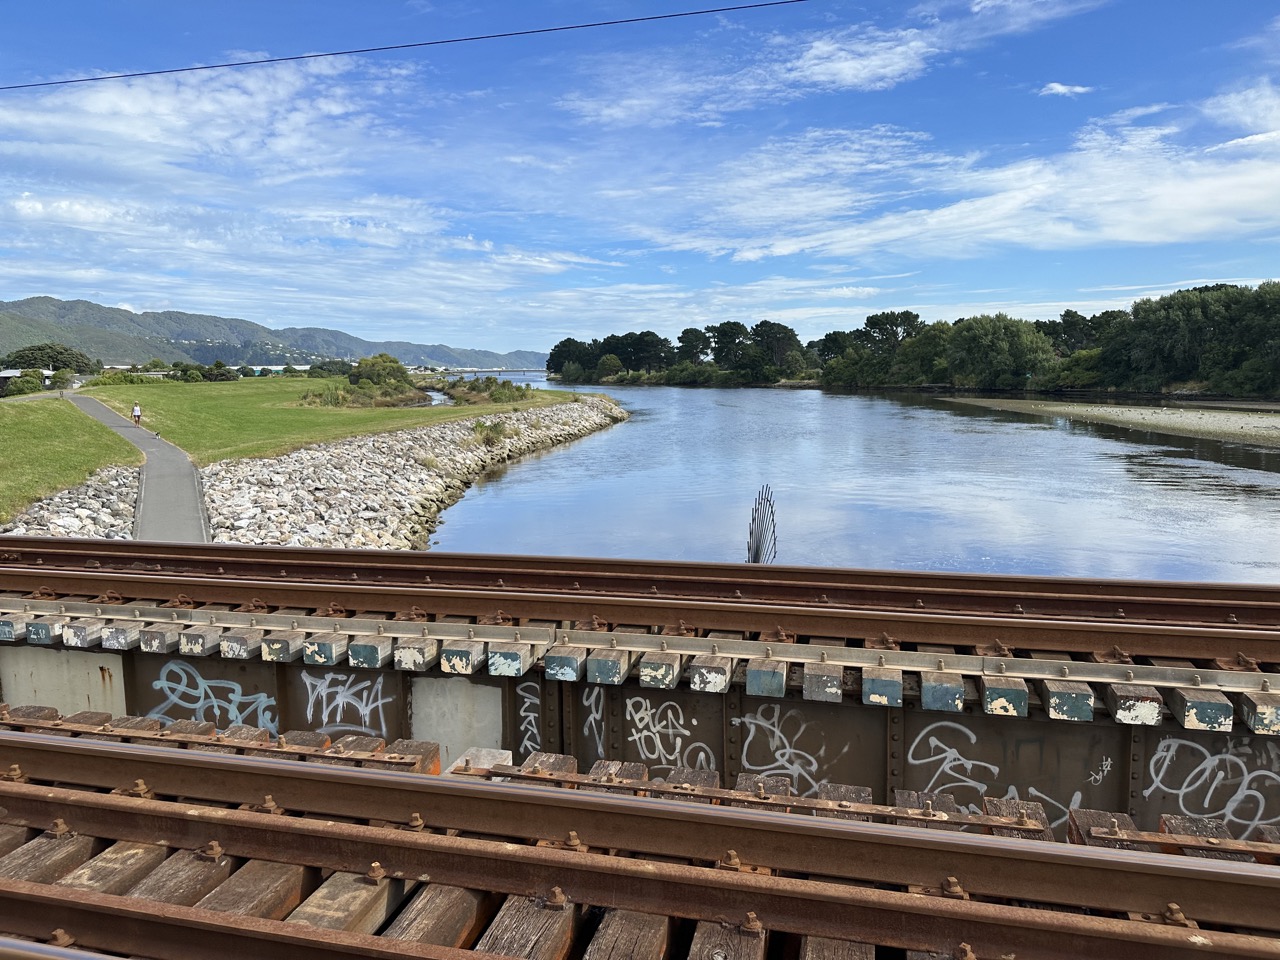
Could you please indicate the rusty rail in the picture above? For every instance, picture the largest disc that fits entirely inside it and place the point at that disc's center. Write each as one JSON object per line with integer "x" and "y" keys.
{"x": 986, "y": 866}
{"x": 751, "y": 619}
{"x": 1032, "y": 596}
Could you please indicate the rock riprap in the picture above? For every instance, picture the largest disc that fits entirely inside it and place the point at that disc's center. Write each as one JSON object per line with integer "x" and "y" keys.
{"x": 101, "y": 508}
{"x": 386, "y": 490}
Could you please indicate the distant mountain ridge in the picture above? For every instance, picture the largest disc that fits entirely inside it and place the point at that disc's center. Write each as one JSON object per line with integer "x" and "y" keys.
{"x": 115, "y": 335}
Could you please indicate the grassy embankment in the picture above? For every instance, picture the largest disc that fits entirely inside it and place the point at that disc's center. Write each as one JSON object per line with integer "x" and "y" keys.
{"x": 50, "y": 446}
{"x": 210, "y": 421}
{"x": 264, "y": 418}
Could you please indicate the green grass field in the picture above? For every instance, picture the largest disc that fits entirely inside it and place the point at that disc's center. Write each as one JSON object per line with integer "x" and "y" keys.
{"x": 50, "y": 446}
{"x": 263, "y": 417}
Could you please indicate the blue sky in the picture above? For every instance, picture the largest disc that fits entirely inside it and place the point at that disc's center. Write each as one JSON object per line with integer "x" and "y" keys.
{"x": 809, "y": 164}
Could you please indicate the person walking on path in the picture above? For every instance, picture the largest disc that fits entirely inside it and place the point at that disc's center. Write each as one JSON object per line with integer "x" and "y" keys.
{"x": 137, "y": 414}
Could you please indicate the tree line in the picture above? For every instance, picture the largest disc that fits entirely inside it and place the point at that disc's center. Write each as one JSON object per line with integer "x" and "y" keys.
{"x": 1222, "y": 338}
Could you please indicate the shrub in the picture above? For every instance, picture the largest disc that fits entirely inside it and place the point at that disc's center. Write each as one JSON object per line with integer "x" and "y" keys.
{"x": 20, "y": 386}
{"x": 490, "y": 433}
{"x": 120, "y": 378}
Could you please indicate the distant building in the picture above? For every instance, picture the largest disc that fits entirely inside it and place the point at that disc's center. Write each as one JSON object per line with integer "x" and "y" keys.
{"x": 7, "y": 375}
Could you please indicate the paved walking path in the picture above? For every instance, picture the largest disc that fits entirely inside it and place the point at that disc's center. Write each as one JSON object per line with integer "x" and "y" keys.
{"x": 170, "y": 500}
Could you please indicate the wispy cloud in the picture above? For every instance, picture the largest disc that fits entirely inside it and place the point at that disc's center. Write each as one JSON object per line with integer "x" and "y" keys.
{"x": 663, "y": 89}
{"x": 1056, "y": 89}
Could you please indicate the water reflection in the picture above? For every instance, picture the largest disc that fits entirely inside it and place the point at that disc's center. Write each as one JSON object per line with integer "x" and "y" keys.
{"x": 905, "y": 482}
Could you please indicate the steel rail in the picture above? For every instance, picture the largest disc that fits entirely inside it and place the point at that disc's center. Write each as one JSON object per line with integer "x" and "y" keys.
{"x": 1207, "y": 890}
{"x": 783, "y": 904}
{"x": 12, "y": 949}
{"x": 902, "y": 626}
{"x": 1185, "y": 602}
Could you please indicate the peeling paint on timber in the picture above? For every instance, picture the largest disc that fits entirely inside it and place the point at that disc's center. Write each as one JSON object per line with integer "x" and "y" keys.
{"x": 325, "y": 649}
{"x": 882, "y": 686}
{"x": 508, "y": 659}
{"x": 1261, "y": 712}
{"x": 941, "y": 691}
{"x": 83, "y": 633}
{"x": 122, "y": 635}
{"x": 565, "y": 663}
{"x": 710, "y": 674}
{"x": 416, "y": 654}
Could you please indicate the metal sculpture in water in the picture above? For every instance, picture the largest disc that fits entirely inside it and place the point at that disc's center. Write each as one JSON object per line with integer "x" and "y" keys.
{"x": 762, "y": 537}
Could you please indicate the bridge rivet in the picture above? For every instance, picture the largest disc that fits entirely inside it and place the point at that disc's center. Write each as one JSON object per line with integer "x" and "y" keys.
{"x": 1195, "y": 680}
{"x": 1066, "y": 672}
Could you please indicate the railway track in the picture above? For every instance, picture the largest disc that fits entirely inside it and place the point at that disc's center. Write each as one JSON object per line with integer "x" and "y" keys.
{"x": 1175, "y": 603}
{"x": 1225, "y": 628}
{"x": 126, "y": 842}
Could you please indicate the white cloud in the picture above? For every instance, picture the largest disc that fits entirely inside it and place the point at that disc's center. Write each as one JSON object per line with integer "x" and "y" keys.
{"x": 663, "y": 88}
{"x": 1255, "y": 109}
{"x": 1056, "y": 89}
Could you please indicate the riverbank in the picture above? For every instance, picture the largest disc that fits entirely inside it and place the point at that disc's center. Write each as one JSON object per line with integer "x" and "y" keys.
{"x": 381, "y": 491}
{"x": 1255, "y": 427}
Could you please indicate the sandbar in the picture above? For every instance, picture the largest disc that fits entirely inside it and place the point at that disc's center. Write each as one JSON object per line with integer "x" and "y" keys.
{"x": 1254, "y": 427}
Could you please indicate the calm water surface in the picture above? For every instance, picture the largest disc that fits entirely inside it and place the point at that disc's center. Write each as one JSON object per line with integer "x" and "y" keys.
{"x": 904, "y": 483}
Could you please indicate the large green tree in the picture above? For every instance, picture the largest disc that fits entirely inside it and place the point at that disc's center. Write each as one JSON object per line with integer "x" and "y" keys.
{"x": 694, "y": 346}
{"x": 997, "y": 351}
{"x": 570, "y": 350}
{"x": 775, "y": 339}
{"x": 728, "y": 342}
{"x": 50, "y": 356}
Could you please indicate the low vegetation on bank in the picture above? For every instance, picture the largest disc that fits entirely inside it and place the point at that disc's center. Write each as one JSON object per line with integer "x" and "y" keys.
{"x": 51, "y": 446}
{"x": 270, "y": 417}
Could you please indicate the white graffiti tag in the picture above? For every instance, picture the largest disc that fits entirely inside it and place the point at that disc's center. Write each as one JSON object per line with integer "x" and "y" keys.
{"x": 529, "y": 698}
{"x": 1239, "y": 785}
{"x": 593, "y": 728}
{"x": 222, "y": 702}
{"x": 664, "y": 739}
{"x": 344, "y": 703}
{"x": 953, "y": 772}
{"x": 772, "y": 748}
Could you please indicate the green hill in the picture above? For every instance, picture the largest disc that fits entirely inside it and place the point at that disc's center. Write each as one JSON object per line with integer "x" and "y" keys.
{"x": 115, "y": 336}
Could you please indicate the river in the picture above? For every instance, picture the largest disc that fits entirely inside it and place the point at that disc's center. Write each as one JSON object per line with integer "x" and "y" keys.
{"x": 905, "y": 482}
